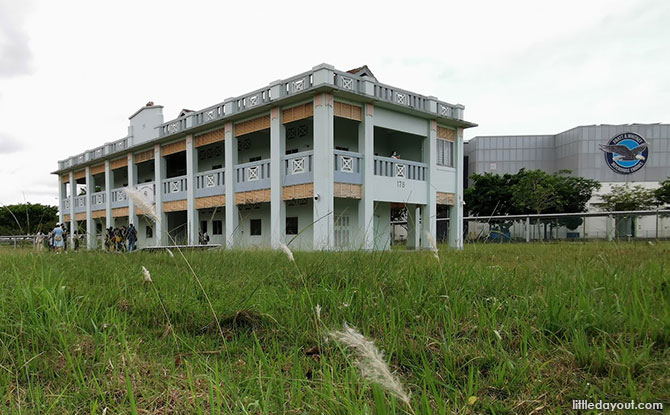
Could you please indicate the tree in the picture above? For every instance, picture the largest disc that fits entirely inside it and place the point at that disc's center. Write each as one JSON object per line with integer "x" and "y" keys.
{"x": 27, "y": 218}
{"x": 662, "y": 194}
{"x": 490, "y": 194}
{"x": 536, "y": 191}
{"x": 626, "y": 197}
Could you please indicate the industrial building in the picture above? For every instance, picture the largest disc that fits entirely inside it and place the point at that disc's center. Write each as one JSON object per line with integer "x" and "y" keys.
{"x": 638, "y": 154}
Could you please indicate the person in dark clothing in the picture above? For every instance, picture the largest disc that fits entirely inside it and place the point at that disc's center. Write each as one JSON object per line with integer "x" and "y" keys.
{"x": 132, "y": 237}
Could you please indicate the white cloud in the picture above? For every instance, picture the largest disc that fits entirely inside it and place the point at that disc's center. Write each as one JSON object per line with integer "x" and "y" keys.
{"x": 519, "y": 67}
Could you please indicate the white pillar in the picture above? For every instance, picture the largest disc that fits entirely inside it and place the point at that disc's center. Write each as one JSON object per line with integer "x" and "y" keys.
{"x": 61, "y": 199}
{"x": 159, "y": 236}
{"x": 232, "y": 215}
{"x": 324, "y": 174}
{"x": 90, "y": 223}
{"x": 413, "y": 226}
{"x": 132, "y": 181}
{"x": 456, "y": 211}
{"x": 73, "y": 194}
{"x": 366, "y": 146}
{"x": 429, "y": 210}
{"x": 277, "y": 206}
{"x": 192, "y": 222}
{"x": 109, "y": 221}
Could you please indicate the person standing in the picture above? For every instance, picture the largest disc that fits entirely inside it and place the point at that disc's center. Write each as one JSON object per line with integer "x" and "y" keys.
{"x": 132, "y": 237}
{"x": 58, "y": 238}
{"x": 64, "y": 235}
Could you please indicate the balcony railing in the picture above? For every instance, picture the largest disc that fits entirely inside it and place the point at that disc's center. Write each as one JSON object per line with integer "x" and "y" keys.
{"x": 66, "y": 205}
{"x": 348, "y": 167}
{"x": 174, "y": 188}
{"x": 119, "y": 198}
{"x": 210, "y": 183}
{"x": 252, "y": 176}
{"x": 298, "y": 168}
{"x": 98, "y": 200}
{"x": 402, "y": 169}
{"x": 80, "y": 204}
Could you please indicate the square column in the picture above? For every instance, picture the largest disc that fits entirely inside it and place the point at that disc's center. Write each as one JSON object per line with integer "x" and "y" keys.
{"x": 324, "y": 172}
{"x": 429, "y": 211}
{"x": 159, "y": 235}
{"x": 91, "y": 230}
{"x": 232, "y": 213}
{"x": 61, "y": 199}
{"x": 192, "y": 222}
{"x": 413, "y": 226}
{"x": 109, "y": 220}
{"x": 277, "y": 206}
{"x": 132, "y": 181}
{"x": 366, "y": 145}
{"x": 456, "y": 211}
{"x": 73, "y": 192}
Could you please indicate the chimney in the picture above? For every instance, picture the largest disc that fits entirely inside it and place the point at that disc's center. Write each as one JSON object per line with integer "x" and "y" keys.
{"x": 143, "y": 123}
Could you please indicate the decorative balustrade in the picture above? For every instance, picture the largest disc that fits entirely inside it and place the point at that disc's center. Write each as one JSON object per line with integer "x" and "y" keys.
{"x": 119, "y": 198}
{"x": 98, "y": 200}
{"x": 210, "y": 114}
{"x": 346, "y": 81}
{"x": 348, "y": 167}
{"x": 210, "y": 183}
{"x": 252, "y": 176}
{"x": 80, "y": 204}
{"x": 66, "y": 205}
{"x": 320, "y": 75}
{"x": 174, "y": 188}
{"x": 402, "y": 169}
{"x": 298, "y": 168}
{"x": 254, "y": 99}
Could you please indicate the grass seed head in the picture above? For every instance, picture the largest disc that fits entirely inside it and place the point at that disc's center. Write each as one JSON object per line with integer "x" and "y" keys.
{"x": 147, "y": 275}
{"x": 370, "y": 361}
{"x": 433, "y": 245}
{"x": 143, "y": 203}
{"x": 287, "y": 251}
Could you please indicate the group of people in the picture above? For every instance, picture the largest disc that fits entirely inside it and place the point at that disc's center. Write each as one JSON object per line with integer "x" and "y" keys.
{"x": 121, "y": 239}
{"x": 57, "y": 239}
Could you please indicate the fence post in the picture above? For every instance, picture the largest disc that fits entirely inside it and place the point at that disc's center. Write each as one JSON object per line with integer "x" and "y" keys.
{"x": 14, "y": 243}
{"x": 657, "y": 224}
{"x": 584, "y": 228}
{"x": 527, "y": 228}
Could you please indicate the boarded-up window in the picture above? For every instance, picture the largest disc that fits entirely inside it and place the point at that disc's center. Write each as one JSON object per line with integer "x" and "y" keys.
{"x": 342, "y": 231}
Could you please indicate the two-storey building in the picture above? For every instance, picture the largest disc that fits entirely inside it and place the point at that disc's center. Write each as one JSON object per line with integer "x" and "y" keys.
{"x": 319, "y": 159}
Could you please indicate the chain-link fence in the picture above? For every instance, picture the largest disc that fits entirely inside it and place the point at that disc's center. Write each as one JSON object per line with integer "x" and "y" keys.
{"x": 626, "y": 225}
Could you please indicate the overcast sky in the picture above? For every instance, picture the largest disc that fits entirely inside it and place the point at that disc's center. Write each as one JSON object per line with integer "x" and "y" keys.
{"x": 71, "y": 72}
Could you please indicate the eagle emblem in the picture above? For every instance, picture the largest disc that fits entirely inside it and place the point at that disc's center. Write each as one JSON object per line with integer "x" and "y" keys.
{"x": 626, "y": 153}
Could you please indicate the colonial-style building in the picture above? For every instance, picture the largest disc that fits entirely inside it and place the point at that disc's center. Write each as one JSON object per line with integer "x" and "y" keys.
{"x": 318, "y": 159}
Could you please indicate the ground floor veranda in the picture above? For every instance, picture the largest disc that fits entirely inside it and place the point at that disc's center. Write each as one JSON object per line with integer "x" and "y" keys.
{"x": 298, "y": 225}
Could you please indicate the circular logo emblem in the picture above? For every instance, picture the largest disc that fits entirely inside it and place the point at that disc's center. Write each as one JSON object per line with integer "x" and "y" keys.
{"x": 626, "y": 153}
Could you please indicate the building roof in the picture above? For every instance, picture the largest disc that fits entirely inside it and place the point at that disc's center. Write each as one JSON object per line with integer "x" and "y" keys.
{"x": 362, "y": 71}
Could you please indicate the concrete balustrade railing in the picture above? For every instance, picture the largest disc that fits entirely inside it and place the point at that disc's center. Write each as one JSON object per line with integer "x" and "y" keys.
{"x": 174, "y": 188}
{"x": 252, "y": 176}
{"x": 80, "y": 204}
{"x": 403, "y": 169}
{"x": 119, "y": 198}
{"x": 298, "y": 168}
{"x": 98, "y": 200}
{"x": 348, "y": 167}
{"x": 210, "y": 183}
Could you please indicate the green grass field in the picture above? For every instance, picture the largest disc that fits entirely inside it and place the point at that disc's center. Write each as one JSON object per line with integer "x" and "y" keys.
{"x": 522, "y": 328}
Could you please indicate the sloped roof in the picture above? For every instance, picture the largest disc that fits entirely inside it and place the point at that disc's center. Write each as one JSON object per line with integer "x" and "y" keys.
{"x": 362, "y": 71}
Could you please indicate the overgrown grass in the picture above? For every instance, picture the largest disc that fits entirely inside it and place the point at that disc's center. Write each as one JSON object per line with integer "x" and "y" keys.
{"x": 522, "y": 328}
